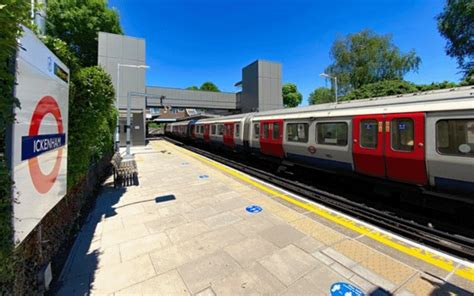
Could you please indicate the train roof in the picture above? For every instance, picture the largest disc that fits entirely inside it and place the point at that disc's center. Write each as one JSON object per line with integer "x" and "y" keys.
{"x": 230, "y": 118}
{"x": 461, "y": 98}
{"x": 182, "y": 122}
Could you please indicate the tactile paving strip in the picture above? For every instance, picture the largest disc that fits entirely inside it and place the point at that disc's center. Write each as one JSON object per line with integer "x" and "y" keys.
{"x": 354, "y": 250}
{"x": 318, "y": 231}
{"x": 392, "y": 270}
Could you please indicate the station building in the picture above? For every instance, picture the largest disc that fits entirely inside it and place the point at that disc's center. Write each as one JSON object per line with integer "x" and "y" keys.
{"x": 260, "y": 87}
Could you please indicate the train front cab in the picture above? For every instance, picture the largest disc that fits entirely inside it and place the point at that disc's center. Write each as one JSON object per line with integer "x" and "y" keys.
{"x": 391, "y": 146}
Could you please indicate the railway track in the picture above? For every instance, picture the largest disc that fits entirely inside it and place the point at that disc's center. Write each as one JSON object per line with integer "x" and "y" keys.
{"x": 453, "y": 244}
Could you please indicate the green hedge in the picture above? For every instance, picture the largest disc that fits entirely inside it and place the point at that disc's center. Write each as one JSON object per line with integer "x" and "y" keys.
{"x": 92, "y": 115}
{"x": 92, "y": 119}
{"x": 12, "y": 13}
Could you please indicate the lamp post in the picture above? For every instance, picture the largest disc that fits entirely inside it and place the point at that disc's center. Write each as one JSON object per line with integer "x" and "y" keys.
{"x": 335, "y": 82}
{"x": 117, "y": 128}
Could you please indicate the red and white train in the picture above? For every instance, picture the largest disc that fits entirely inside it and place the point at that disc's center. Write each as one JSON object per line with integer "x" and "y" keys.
{"x": 425, "y": 139}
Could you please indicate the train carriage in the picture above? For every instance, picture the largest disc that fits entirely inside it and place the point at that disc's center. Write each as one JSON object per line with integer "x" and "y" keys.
{"x": 396, "y": 138}
{"x": 423, "y": 139}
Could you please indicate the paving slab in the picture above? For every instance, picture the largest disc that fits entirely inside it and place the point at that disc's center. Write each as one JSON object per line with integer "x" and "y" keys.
{"x": 289, "y": 264}
{"x": 237, "y": 283}
{"x": 200, "y": 273}
{"x": 250, "y": 250}
{"x": 143, "y": 245}
{"x": 179, "y": 234}
{"x": 222, "y": 219}
{"x": 281, "y": 235}
{"x": 169, "y": 283}
{"x": 116, "y": 277}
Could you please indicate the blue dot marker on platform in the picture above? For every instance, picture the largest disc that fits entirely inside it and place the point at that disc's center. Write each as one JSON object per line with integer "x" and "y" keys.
{"x": 202, "y": 177}
{"x": 254, "y": 209}
{"x": 345, "y": 289}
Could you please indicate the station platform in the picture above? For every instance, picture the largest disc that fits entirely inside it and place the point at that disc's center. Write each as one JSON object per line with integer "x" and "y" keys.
{"x": 196, "y": 227}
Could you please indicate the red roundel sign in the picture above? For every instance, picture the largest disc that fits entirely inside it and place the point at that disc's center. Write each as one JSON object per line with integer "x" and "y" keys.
{"x": 35, "y": 144}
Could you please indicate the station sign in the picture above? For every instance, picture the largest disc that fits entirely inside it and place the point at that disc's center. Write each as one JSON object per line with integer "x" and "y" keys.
{"x": 38, "y": 141}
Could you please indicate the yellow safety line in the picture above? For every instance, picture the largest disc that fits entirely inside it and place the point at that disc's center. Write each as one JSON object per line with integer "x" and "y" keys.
{"x": 424, "y": 255}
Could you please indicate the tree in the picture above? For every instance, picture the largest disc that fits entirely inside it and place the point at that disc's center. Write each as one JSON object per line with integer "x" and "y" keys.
{"x": 193, "y": 87}
{"x": 382, "y": 88}
{"x": 394, "y": 87}
{"x": 77, "y": 22}
{"x": 456, "y": 24}
{"x": 321, "y": 95}
{"x": 209, "y": 86}
{"x": 468, "y": 78}
{"x": 291, "y": 96}
{"x": 63, "y": 52}
{"x": 12, "y": 14}
{"x": 366, "y": 57}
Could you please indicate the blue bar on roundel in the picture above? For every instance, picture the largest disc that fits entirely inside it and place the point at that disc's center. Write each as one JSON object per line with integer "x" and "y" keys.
{"x": 32, "y": 146}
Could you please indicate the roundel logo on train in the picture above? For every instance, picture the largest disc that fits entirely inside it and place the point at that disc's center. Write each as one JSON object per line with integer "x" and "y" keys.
{"x": 312, "y": 149}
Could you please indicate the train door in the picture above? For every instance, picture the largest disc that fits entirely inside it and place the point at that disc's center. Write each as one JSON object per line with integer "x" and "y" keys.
{"x": 277, "y": 138}
{"x": 368, "y": 145}
{"x": 271, "y": 139}
{"x": 391, "y": 146}
{"x": 206, "y": 133}
{"x": 192, "y": 130}
{"x": 229, "y": 134}
{"x": 405, "y": 149}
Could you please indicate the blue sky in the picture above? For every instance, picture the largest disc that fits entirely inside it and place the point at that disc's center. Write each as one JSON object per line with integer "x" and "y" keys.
{"x": 192, "y": 41}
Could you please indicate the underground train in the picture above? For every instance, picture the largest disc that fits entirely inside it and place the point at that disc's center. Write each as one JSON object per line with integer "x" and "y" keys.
{"x": 423, "y": 139}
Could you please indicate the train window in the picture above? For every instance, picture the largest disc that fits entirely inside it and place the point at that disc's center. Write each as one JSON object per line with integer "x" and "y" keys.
{"x": 455, "y": 137}
{"x": 265, "y": 131}
{"x": 332, "y": 133}
{"x": 368, "y": 133}
{"x": 213, "y": 129}
{"x": 256, "y": 130}
{"x": 297, "y": 132}
{"x": 237, "y": 130}
{"x": 403, "y": 134}
{"x": 220, "y": 129}
{"x": 276, "y": 131}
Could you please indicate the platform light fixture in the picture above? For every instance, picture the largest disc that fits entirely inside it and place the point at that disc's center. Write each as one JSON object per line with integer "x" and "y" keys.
{"x": 335, "y": 82}
{"x": 117, "y": 128}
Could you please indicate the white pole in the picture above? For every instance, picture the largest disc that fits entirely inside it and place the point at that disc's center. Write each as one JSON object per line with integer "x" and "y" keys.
{"x": 335, "y": 87}
{"x": 129, "y": 107}
{"x": 117, "y": 127}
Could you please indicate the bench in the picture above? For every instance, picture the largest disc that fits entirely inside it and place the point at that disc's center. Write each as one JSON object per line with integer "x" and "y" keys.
{"x": 125, "y": 171}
